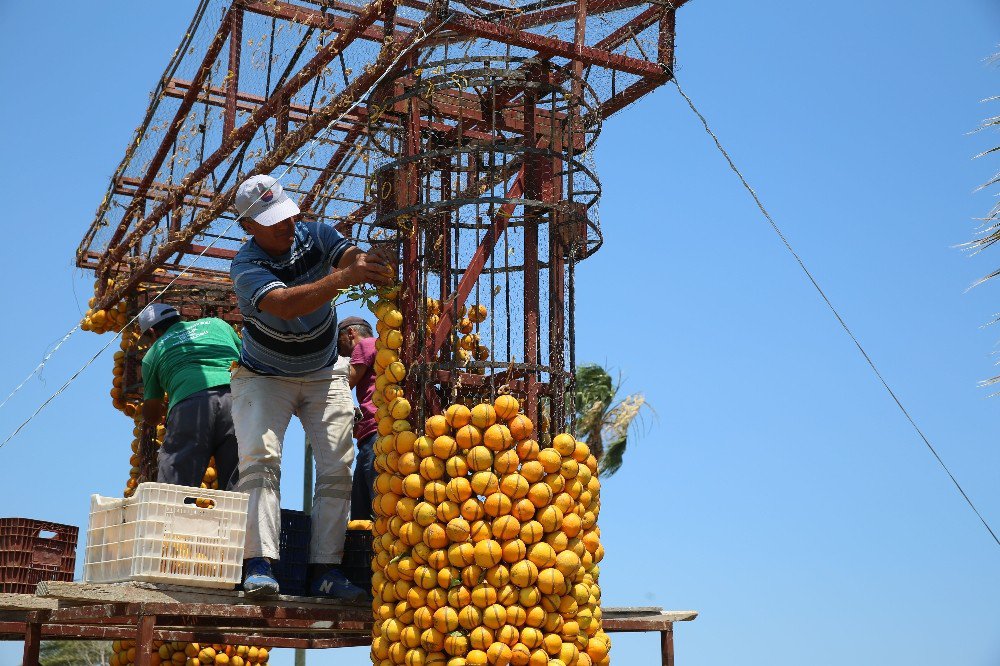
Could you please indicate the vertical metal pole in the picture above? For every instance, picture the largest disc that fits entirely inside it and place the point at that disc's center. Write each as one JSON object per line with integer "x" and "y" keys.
{"x": 409, "y": 195}
{"x": 144, "y": 640}
{"x": 532, "y": 192}
{"x": 667, "y": 646}
{"x": 33, "y": 637}
{"x": 307, "y": 500}
{"x": 665, "y": 45}
{"x": 233, "y": 76}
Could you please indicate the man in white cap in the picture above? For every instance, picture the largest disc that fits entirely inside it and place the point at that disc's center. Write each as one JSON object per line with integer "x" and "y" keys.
{"x": 285, "y": 278}
{"x": 190, "y": 362}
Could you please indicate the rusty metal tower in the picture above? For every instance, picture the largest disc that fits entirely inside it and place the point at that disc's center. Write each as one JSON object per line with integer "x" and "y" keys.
{"x": 460, "y": 131}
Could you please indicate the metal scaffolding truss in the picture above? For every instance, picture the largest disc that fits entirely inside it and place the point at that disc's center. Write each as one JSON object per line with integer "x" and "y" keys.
{"x": 271, "y": 86}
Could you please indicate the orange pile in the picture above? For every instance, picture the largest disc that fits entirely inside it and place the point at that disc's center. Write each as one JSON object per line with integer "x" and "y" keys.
{"x": 486, "y": 545}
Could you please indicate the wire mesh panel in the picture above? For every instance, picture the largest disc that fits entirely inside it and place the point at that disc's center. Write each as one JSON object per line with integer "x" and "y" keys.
{"x": 485, "y": 186}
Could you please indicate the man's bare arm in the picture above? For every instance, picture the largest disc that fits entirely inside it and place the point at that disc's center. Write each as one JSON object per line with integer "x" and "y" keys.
{"x": 152, "y": 410}
{"x": 291, "y": 302}
{"x": 355, "y": 374}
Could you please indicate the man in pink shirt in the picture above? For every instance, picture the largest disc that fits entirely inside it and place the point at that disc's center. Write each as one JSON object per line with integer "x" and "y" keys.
{"x": 356, "y": 339}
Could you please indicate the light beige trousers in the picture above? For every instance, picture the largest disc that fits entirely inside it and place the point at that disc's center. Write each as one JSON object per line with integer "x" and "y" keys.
{"x": 263, "y": 406}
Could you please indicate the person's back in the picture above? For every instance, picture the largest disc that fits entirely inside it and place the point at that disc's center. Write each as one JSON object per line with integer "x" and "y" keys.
{"x": 189, "y": 357}
{"x": 190, "y": 362}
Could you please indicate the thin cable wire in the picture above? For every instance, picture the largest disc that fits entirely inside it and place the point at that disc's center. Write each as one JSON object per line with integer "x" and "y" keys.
{"x": 843, "y": 324}
{"x": 288, "y": 168}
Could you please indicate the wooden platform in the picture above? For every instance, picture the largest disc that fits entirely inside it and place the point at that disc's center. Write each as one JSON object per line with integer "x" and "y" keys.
{"x": 147, "y": 612}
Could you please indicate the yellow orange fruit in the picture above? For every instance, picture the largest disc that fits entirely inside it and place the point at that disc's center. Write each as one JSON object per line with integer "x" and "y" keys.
{"x": 483, "y": 416}
{"x": 457, "y": 416}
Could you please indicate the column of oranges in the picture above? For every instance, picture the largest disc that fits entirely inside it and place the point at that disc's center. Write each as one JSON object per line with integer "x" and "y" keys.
{"x": 486, "y": 545}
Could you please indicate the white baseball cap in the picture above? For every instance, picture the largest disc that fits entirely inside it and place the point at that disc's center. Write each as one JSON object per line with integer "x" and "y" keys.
{"x": 154, "y": 313}
{"x": 263, "y": 199}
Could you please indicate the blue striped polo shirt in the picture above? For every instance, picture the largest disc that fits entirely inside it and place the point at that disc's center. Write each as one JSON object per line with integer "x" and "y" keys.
{"x": 287, "y": 347}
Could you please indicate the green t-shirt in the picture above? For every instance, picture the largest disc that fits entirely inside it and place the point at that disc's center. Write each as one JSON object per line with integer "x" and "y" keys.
{"x": 191, "y": 356}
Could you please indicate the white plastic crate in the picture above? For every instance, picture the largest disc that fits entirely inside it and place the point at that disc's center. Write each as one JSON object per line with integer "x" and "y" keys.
{"x": 163, "y": 534}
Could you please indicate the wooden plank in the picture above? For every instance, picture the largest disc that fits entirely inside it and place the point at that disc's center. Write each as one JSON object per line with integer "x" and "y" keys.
{"x": 647, "y": 613}
{"x": 75, "y": 594}
{"x": 9, "y": 601}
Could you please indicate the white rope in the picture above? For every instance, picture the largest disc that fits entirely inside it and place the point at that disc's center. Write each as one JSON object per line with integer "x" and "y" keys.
{"x": 833, "y": 309}
{"x": 302, "y": 151}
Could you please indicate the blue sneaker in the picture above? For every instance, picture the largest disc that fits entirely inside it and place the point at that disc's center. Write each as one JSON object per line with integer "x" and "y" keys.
{"x": 258, "y": 579}
{"x": 334, "y": 585}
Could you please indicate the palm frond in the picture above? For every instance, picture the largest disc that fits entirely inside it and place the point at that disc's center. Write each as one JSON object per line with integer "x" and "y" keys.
{"x": 613, "y": 458}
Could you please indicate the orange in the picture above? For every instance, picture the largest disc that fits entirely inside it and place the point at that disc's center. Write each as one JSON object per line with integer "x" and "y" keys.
{"x": 434, "y": 492}
{"x": 521, "y": 427}
{"x": 483, "y": 416}
{"x": 497, "y": 504}
{"x": 516, "y": 615}
{"x": 396, "y": 372}
{"x": 444, "y": 447}
{"x": 445, "y": 620}
{"x": 457, "y": 531}
{"x": 505, "y": 462}
{"x": 523, "y": 573}
{"x": 423, "y": 447}
{"x": 506, "y": 528}
{"x": 567, "y": 563}
{"x": 472, "y": 509}
{"x": 483, "y": 595}
{"x": 508, "y": 634}
{"x": 432, "y": 468}
{"x": 405, "y": 441}
{"x": 552, "y": 644}
{"x": 571, "y": 524}
{"x": 435, "y": 536}
{"x": 543, "y": 556}
{"x": 457, "y": 416}
{"x": 523, "y": 510}
{"x": 569, "y": 468}
{"x": 407, "y": 463}
{"x": 468, "y": 436}
{"x": 514, "y": 551}
{"x": 499, "y": 653}
{"x": 461, "y": 554}
{"x": 478, "y": 313}
{"x": 447, "y": 510}
{"x": 555, "y": 481}
{"x": 413, "y": 486}
{"x": 506, "y": 407}
{"x": 494, "y": 616}
{"x": 432, "y": 640}
{"x": 479, "y": 530}
{"x": 550, "y": 459}
{"x": 551, "y": 581}
{"x": 479, "y": 458}
{"x": 472, "y": 575}
{"x": 550, "y": 517}
{"x": 436, "y": 426}
{"x": 470, "y": 617}
{"x": 456, "y": 466}
{"x": 564, "y": 444}
{"x": 514, "y": 486}
{"x": 533, "y": 471}
{"x": 581, "y": 452}
{"x": 539, "y": 658}
{"x": 456, "y": 644}
{"x": 458, "y": 489}
{"x": 488, "y": 553}
{"x": 540, "y": 495}
{"x": 399, "y": 408}
{"x": 532, "y": 532}
{"x": 531, "y": 637}
{"x": 485, "y": 483}
{"x": 498, "y": 438}
{"x": 476, "y": 658}
{"x": 520, "y": 655}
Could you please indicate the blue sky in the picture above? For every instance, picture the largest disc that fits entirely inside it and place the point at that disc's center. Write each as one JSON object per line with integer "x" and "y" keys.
{"x": 779, "y": 491}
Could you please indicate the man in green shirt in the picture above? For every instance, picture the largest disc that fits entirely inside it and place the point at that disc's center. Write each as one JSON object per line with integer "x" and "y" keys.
{"x": 190, "y": 362}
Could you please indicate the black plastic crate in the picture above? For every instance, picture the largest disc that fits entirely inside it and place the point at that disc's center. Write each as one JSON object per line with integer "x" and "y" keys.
{"x": 27, "y": 557}
{"x": 292, "y": 568}
{"x": 358, "y": 554}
